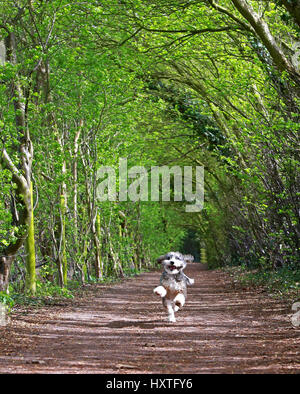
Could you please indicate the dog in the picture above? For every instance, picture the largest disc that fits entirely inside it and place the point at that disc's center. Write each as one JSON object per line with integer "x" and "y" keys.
{"x": 173, "y": 282}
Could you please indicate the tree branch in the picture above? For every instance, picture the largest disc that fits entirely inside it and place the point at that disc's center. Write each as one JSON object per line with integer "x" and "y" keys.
{"x": 192, "y": 32}
{"x": 262, "y": 30}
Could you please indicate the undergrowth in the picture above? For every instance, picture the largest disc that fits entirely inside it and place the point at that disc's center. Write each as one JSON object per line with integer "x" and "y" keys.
{"x": 48, "y": 293}
{"x": 280, "y": 283}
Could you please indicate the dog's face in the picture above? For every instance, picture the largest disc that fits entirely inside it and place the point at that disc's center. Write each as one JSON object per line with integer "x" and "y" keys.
{"x": 173, "y": 262}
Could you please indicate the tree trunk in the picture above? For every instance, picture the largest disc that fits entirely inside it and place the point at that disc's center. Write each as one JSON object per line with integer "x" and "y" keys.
{"x": 97, "y": 242}
{"x": 30, "y": 250}
{"x": 262, "y": 30}
{"x": 20, "y": 177}
{"x": 5, "y": 263}
{"x": 62, "y": 258}
{"x": 75, "y": 177}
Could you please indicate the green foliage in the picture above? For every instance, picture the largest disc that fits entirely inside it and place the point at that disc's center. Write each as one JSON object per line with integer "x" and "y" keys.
{"x": 48, "y": 289}
{"x": 7, "y": 300}
{"x": 47, "y": 293}
{"x": 158, "y": 83}
{"x": 283, "y": 282}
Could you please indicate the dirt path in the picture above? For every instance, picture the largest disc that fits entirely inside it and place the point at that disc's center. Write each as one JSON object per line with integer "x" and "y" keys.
{"x": 122, "y": 328}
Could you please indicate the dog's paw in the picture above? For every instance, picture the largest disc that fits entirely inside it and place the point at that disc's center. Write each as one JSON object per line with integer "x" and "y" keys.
{"x": 179, "y": 300}
{"x": 178, "y": 304}
{"x": 176, "y": 308}
{"x": 192, "y": 281}
{"x": 160, "y": 290}
{"x": 171, "y": 319}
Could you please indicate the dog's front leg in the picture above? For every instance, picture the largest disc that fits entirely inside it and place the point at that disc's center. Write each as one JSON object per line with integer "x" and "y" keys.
{"x": 189, "y": 281}
{"x": 160, "y": 290}
{"x": 171, "y": 315}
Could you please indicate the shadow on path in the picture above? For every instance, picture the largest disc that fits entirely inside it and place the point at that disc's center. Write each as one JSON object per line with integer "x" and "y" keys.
{"x": 122, "y": 328}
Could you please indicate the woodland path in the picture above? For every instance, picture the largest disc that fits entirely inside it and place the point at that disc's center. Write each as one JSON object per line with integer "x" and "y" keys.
{"x": 122, "y": 328}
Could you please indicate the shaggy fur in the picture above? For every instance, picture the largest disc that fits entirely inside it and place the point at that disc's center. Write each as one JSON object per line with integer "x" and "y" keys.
{"x": 173, "y": 282}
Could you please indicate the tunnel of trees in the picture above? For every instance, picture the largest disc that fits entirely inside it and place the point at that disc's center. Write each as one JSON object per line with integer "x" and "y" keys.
{"x": 166, "y": 82}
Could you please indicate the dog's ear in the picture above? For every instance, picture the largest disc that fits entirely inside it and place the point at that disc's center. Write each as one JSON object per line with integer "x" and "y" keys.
{"x": 160, "y": 258}
{"x": 188, "y": 258}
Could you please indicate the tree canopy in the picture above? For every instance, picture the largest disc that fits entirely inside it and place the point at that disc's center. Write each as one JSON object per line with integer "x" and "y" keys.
{"x": 174, "y": 82}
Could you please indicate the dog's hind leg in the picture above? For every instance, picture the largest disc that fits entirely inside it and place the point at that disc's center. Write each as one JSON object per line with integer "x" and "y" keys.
{"x": 169, "y": 305}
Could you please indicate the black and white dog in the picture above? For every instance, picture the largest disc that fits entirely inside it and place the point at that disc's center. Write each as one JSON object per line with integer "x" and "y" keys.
{"x": 173, "y": 282}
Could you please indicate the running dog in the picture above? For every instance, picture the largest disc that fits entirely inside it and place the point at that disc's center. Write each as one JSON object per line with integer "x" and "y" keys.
{"x": 173, "y": 282}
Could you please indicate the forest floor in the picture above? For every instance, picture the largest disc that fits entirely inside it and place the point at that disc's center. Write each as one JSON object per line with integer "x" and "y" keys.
{"x": 122, "y": 329}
